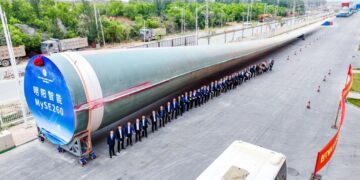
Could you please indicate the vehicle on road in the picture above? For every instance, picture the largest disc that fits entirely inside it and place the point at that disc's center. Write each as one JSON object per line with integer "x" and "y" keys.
{"x": 5, "y": 57}
{"x": 56, "y": 45}
{"x": 151, "y": 34}
{"x": 264, "y": 17}
{"x": 347, "y": 9}
{"x": 344, "y": 12}
{"x": 243, "y": 160}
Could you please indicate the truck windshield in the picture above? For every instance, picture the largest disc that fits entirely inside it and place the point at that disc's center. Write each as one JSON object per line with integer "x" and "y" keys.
{"x": 44, "y": 45}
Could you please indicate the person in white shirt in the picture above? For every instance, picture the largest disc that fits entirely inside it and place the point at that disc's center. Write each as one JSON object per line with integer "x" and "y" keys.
{"x": 137, "y": 127}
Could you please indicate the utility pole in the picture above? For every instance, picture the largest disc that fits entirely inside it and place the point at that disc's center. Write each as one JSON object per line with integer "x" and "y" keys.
{"x": 207, "y": 15}
{"x": 248, "y": 12}
{"x": 251, "y": 2}
{"x": 144, "y": 31}
{"x": 196, "y": 21}
{"x": 101, "y": 27}
{"x": 294, "y": 8}
{"x": 277, "y": 8}
{"x": 13, "y": 63}
{"x": 183, "y": 20}
{"x": 96, "y": 20}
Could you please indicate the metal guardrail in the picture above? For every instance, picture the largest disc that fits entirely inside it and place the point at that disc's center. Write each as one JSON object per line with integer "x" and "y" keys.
{"x": 11, "y": 114}
{"x": 179, "y": 41}
{"x": 265, "y": 30}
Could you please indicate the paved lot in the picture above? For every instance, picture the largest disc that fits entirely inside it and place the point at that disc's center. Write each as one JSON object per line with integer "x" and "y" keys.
{"x": 268, "y": 111}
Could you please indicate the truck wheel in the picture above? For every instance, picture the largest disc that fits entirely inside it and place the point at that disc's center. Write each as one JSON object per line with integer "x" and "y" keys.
{"x": 5, "y": 63}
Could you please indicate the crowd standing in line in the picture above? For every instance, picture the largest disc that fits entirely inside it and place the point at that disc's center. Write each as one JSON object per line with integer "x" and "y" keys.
{"x": 183, "y": 103}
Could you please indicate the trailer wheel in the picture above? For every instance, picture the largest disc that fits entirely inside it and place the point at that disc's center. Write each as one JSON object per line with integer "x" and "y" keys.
{"x": 92, "y": 155}
{"x": 82, "y": 162}
{"x": 5, "y": 63}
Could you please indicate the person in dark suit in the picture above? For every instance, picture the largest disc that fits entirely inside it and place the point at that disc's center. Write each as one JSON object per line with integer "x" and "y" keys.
{"x": 252, "y": 71}
{"x": 182, "y": 105}
{"x": 162, "y": 115}
{"x": 129, "y": 131}
{"x": 242, "y": 76}
{"x": 272, "y": 64}
{"x": 137, "y": 127}
{"x": 154, "y": 119}
{"x": 217, "y": 88}
{"x": 190, "y": 100}
{"x": 200, "y": 96}
{"x": 195, "y": 98}
{"x": 145, "y": 124}
{"x": 179, "y": 112}
{"x": 174, "y": 107}
{"x": 111, "y": 143}
{"x": 168, "y": 112}
{"x": 187, "y": 103}
{"x": 120, "y": 136}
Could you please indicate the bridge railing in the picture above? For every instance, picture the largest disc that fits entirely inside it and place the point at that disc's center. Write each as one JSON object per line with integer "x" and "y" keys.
{"x": 178, "y": 41}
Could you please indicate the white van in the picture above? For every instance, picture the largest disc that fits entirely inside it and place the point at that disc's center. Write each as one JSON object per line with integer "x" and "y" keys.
{"x": 245, "y": 161}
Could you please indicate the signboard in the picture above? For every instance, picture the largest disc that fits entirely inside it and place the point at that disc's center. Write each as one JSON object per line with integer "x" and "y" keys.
{"x": 48, "y": 96}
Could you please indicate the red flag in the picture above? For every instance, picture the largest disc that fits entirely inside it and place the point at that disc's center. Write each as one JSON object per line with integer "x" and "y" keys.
{"x": 325, "y": 154}
{"x": 350, "y": 69}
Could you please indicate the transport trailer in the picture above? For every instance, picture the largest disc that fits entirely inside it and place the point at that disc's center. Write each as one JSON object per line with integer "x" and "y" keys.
{"x": 5, "y": 56}
{"x": 73, "y": 94}
{"x": 243, "y": 160}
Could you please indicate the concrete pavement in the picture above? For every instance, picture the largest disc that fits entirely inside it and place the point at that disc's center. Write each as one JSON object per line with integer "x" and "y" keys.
{"x": 22, "y": 134}
{"x": 268, "y": 111}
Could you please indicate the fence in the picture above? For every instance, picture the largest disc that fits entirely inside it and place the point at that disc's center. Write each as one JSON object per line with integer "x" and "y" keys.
{"x": 11, "y": 114}
{"x": 179, "y": 41}
{"x": 264, "y": 30}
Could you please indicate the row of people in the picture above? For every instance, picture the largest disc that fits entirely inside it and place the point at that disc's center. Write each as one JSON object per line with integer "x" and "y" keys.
{"x": 178, "y": 106}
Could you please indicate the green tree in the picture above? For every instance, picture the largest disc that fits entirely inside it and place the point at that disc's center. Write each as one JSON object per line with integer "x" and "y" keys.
{"x": 115, "y": 8}
{"x": 113, "y": 30}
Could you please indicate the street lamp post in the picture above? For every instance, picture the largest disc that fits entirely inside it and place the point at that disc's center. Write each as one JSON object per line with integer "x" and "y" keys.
{"x": 251, "y": 3}
{"x": 13, "y": 63}
{"x": 144, "y": 31}
{"x": 293, "y": 13}
{"x": 207, "y": 15}
{"x": 248, "y": 12}
{"x": 196, "y": 20}
{"x": 96, "y": 20}
{"x": 101, "y": 27}
{"x": 277, "y": 8}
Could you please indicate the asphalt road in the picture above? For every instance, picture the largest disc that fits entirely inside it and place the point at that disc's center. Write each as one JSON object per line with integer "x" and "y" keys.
{"x": 268, "y": 111}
